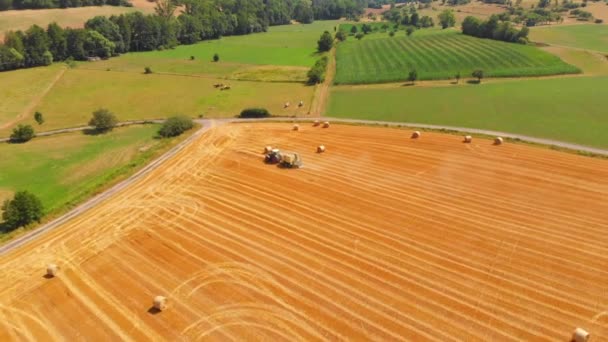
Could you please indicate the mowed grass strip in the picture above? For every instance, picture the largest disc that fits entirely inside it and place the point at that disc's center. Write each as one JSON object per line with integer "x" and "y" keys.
{"x": 589, "y": 36}
{"x": 133, "y": 96}
{"x": 62, "y": 169}
{"x": 566, "y": 109}
{"x": 440, "y": 55}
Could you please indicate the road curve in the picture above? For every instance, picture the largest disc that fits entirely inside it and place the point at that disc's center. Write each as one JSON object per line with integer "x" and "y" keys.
{"x": 208, "y": 124}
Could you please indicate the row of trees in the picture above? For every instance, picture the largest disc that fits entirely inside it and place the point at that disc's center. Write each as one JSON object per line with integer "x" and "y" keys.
{"x": 408, "y": 16}
{"x": 38, "y": 4}
{"x": 493, "y": 28}
{"x": 201, "y": 20}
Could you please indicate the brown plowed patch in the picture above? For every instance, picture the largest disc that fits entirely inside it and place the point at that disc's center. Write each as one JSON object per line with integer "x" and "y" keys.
{"x": 379, "y": 238}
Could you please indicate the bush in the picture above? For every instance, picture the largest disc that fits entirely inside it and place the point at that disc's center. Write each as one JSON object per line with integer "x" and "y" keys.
{"x": 22, "y": 210}
{"x": 103, "y": 120}
{"x": 39, "y": 118}
{"x": 392, "y": 33}
{"x": 598, "y": 21}
{"x": 175, "y": 126}
{"x": 326, "y": 42}
{"x": 359, "y": 35}
{"x": 216, "y": 58}
{"x": 254, "y": 113}
{"x": 341, "y": 36}
{"x": 147, "y": 70}
{"x": 22, "y": 133}
{"x": 317, "y": 73}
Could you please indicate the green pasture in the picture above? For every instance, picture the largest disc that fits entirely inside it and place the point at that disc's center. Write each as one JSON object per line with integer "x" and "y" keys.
{"x": 565, "y": 109}
{"x": 439, "y": 54}
{"x": 587, "y": 36}
{"x": 287, "y": 45}
{"x": 133, "y": 96}
{"x": 62, "y": 169}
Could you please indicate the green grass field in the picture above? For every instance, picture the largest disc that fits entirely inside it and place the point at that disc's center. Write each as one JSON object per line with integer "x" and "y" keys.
{"x": 20, "y": 87}
{"x": 439, "y": 54}
{"x": 287, "y": 45}
{"x": 138, "y": 96}
{"x": 590, "y": 36}
{"x": 569, "y": 109}
{"x": 62, "y": 169}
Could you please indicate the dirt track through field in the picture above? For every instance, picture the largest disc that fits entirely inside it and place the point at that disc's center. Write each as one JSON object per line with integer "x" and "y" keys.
{"x": 381, "y": 237}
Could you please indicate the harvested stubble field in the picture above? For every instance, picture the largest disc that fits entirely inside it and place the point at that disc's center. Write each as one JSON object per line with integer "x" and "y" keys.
{"x": 381, "y": 237}
{"x": 436, "y": 54}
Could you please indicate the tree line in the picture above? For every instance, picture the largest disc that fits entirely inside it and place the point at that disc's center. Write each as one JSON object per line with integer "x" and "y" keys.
{"x": 494, "y": 28}
{"x": 105, "y": 37}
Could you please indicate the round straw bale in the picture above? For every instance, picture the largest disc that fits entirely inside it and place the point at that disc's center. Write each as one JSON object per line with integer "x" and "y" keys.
{"x": 580, "y": 335}
{"x": 160, "y": 303}
{"x": 416, "y": 135}
{"x": 296, "y": 127}
{"x": 52, "y": 270}
{"x": 468, "y": 138}
{"x": 267, "y": 149}
{"x": 320, "y": 149}
{"x": 316, "y": 123}
{"x": 498, "y": 141}
{"x": 326, "y": 124}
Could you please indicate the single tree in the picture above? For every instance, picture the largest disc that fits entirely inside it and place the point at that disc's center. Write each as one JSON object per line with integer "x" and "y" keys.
{"x": 447, "y": 18}
{"x": 392, "y": 33}
{"x": 326, "y": 42}
{"x": 192, "y": 58}
{"x": 39, "y": 118}
{"x": 22, "y": 133}
{"x": 359, "y": 35}
{"x": 147, "y": 70}
{"x": 216, "y": 57}
{"x": 478, "y": 74}
{"x": 410, "y": 30}
{"x": 413, "y": 76}
{"x": 353, "y": 29}
{"x": 457, "y": 76}
{"x": 341, "y": 36}
{"x": 103, "y": 120}
{"x": 22, "y": 210}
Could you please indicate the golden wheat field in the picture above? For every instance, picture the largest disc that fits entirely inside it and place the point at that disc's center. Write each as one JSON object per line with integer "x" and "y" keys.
{"x": 382, "y": 237}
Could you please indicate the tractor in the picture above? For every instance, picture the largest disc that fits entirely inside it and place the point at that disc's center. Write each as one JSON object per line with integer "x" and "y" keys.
{"x": 287, "y": 160}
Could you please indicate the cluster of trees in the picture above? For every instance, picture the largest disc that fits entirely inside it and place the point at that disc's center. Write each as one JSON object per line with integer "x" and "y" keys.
{"x": 24, "y": 208}
{"x": 535, "y": 16}
{"x": 494, "y": 28}
{"x": 408, "y": 16}
{"x": 105, "y": 37}
{"x": 39, "y": 4}
{"x": 316, "y": 74}
{"x": 250, "y": 113}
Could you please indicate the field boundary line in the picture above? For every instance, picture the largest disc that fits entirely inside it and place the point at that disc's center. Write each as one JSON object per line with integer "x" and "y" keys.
{"x": 27, "y": 237}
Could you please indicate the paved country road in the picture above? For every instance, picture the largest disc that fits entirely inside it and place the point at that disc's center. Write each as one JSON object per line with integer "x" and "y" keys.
{"x": 208, "y": 124}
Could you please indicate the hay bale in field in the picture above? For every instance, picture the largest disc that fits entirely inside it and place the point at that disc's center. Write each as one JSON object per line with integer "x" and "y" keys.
{"x": 286, "y": 105}
{"x": 52, "y": 270}
{"x": 580, "y": 335}
{"x": 320, "y": 149}
{"x": 326, "y": 124}
{"x": 468, "y": 138}
{"x": 416, "y": 135}
{"x": 498, "y": 141}
{"x": 301, "y": 104}
{"x": 160, "y": 303}
{"x": 296, "y": 127}
{"x": 267, "y": 149}
{"x": 316, "y": 123}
